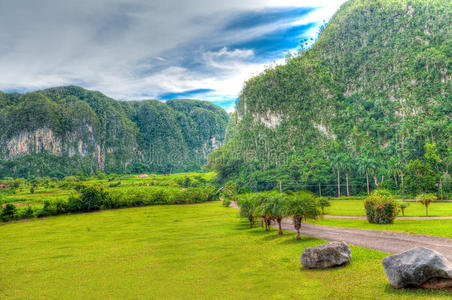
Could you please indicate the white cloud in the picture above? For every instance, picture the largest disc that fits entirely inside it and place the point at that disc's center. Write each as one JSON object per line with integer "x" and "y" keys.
{"x": 136, "y": 48}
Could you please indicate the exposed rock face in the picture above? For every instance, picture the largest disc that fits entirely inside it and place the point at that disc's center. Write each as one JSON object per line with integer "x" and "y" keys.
{"x": 418, "y": 267}
{"x": 60, "y": 131}
{"x": 326, "y": 256}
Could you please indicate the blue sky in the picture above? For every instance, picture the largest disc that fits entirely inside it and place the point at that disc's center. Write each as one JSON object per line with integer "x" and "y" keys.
{"x": 160, "y": 49}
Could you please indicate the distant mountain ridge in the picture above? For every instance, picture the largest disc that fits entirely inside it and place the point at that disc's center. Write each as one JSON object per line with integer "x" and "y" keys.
{"x": 67, "y": 130}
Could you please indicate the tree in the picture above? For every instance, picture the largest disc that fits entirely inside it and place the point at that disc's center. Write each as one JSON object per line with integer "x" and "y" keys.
{"x": 301, "y": 205}
{"x": 403, "y": 206}
{"x": 420, "y": 177}
{"x": 426, "y": 199}
{"x": 266, "y": 211}
{"x": 324, "y": 202}
{"x": 337, "y": 163}
{"x": 445, "y": 184}
{"x": 365, "y": 165}
{"x": 8, "y": 212}
{"x": 348, "y": 166}
{"x": 247, "y": 208}
{"x": 278, "y": 203}
{"x": 92, "y": 197}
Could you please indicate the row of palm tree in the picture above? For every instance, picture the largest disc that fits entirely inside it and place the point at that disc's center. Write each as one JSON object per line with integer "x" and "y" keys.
{"x": 344, "y": 162}
{"x": 275, "y": 206}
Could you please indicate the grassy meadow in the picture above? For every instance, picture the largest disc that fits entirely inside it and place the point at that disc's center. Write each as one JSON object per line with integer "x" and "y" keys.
{"x": 63, "y": 189}
{"x": 356, "y": 208}
{"x": 202, "y": 251}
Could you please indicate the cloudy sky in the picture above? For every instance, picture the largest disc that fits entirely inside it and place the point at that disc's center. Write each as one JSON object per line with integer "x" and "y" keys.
{"x": 151, "y": 49}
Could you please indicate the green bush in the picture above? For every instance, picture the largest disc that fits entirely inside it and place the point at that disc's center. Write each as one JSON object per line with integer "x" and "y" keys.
{"x": 26, "y": 213}
{"x": 92, "y": 198}
{"x": 46, "y": 210}
{"x": 226, "y": 202}
{"x": 381, "y": 207}
{"x": 8, "y": 212}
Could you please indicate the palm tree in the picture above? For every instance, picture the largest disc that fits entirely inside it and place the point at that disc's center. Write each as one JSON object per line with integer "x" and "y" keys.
{"x": 278, "y": 203}
{"x": 337, "y": 163}
{"x": 365, "y": 165}
{"x": 348, "y": 166}
{"x": 247, "y": 208}
{"x": 301, "y": 205}
{"x": 426, "y": 199}
{"x": 265, "y": 209}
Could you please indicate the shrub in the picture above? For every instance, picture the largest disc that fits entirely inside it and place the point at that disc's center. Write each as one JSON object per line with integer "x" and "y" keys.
{"x": 26, "y": 213}
{"x": 92, "y": 197}
{"x": 226, "y": 202}
{"x": 115, "y": 184}
{"x": 381, "y": 207}
{"x": 8, "y": 213}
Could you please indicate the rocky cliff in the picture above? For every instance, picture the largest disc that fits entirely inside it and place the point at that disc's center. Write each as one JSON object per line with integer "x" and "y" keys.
{"x": 67, "y": 130}
{"x": 376, "y": 87}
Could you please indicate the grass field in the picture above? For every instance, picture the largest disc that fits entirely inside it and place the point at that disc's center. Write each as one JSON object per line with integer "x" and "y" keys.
{"x": 356, "y": 208}
{"x": 199, "y": 251}
{"x": 65, "y": 189}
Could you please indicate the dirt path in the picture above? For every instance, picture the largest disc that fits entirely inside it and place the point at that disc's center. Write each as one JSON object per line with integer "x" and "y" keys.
{"x": 385, "y": 241}
{"x": 398, "y": 218}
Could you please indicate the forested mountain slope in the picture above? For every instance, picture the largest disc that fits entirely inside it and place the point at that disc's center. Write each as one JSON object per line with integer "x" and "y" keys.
{"x": 69, "y": 130}
{"x": 372, "y": 95}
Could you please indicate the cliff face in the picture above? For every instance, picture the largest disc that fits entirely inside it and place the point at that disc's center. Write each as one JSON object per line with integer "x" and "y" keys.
{"x": 63, "y": 131}
{"x": 377, "y": 83}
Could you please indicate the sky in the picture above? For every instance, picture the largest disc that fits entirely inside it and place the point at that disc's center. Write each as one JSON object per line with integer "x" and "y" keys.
{"x": 151, "y": 49}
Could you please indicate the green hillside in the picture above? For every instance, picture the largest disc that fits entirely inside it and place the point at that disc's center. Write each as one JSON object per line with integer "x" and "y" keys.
{"x": 374, "y": 94}
{"x": 69, "y": 130}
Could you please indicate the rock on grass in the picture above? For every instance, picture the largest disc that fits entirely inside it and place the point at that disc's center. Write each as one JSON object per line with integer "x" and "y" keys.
{"x": 418, "y": 267}
{"x": 326, "y": 256}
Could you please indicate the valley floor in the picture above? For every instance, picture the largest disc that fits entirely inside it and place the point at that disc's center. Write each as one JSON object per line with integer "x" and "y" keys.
{"x": 202, "y": 251}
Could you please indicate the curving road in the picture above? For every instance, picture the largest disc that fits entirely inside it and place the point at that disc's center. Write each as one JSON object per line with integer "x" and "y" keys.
{"x": 385, "y": 241}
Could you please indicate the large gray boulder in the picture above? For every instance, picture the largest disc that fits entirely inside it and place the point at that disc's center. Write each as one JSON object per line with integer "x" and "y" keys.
{"x": 326, "y": 256}
{"x": 418, "y": 267}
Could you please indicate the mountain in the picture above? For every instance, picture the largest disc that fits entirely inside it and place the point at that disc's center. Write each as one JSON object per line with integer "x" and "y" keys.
{"x": 368, "y": 96}
{"x": 68, "y": 130}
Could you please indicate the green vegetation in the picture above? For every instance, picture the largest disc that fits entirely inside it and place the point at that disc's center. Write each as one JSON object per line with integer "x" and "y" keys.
{"x": 324, "y": 202}
{"x": 274, "y": 206}
{"x": 403, "y": 206}
{"x": 356, "y": 208}
{"x": 74, "y": 195}
{"x": 381, "y": 207}
{"x": 197, "y": 251}
{"x": 367, "y": 107}
{"x": 426, "y": 199}
{"x": 73, "y": 131}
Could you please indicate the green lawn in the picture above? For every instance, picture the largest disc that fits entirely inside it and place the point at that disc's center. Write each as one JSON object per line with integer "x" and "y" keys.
{"x": 171, "y": 252}
{"x": 429, "y": 227}
{"x": 356, "y": 208}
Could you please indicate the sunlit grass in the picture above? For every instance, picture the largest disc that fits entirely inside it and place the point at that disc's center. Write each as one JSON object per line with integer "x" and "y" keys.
{"x": 356, "y": 208}
{"x": 175, "y": 252}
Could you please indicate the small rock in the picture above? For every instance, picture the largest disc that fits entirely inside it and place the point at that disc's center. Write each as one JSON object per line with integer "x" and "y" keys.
{"x": 326, "y": 256}
{"x": 418, "y": 267}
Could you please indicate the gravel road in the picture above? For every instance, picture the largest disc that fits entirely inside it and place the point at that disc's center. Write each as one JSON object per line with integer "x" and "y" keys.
{"x": 385, "y": 241}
